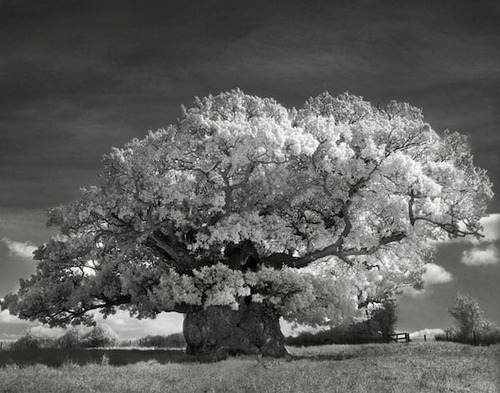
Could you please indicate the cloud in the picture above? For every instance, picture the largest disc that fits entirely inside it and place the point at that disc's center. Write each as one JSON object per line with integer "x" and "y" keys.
{"x": 19, "y": 249}
{"x": 483, "y": 252}
{"x": 491, "y": 225}
{"x": 291, "y": 329}
{"x": 429, "y": 333}
{"x": 491, "y": 230}
{"x": 128, "y": 327}
{"x": 45, "y": 331}
{"x": 121, "y": 323}
{"x": 481, "y": 256}
{"x": 6, "y": 317}
{"x": 433, "y": 275}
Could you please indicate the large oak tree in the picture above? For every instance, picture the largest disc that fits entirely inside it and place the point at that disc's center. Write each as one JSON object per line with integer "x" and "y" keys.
{"x": 244, "y": 212}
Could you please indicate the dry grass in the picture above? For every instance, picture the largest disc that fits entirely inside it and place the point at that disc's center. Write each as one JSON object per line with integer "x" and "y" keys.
{"x": 423, "y": 367}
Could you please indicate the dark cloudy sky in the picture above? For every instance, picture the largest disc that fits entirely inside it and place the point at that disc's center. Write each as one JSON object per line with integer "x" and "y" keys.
{"x": 78, "y": 77}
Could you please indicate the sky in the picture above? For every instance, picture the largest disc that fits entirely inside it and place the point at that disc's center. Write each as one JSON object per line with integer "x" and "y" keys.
{"x": 79, "y": 77}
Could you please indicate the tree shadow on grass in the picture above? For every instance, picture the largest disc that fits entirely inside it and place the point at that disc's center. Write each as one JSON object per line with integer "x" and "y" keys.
{"x": 113, "y": 357}
{"x": 325, "y": 357}
{"x": 120, "y": 357}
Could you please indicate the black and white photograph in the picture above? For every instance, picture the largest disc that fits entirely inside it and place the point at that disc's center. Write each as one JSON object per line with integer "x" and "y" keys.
{"x": 249, "y": 196}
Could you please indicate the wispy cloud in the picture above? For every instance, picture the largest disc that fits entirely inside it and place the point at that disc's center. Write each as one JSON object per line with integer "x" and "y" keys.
{"x": 45, "y": 331}
{"x": 481, "y": 256}
{"x": 19, "y": 249}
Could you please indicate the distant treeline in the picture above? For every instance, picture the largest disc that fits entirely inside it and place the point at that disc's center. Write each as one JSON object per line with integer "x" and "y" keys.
{"x": 98, "y": 337}
{"x": 175, "y": 340}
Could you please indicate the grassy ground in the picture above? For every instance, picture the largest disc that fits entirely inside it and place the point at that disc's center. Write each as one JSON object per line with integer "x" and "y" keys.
{"x": 417, "y": 367}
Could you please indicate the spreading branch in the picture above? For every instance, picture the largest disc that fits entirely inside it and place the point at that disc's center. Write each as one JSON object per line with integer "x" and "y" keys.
{"x": 176, "y": 252}
{"x": 334, "y": 251}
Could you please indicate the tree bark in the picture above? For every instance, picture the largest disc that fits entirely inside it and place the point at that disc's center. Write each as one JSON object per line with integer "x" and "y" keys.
{"x": 218, "y": 331}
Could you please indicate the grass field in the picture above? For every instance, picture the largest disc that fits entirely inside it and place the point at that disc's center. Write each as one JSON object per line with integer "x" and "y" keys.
{"x": 416, "y": 367}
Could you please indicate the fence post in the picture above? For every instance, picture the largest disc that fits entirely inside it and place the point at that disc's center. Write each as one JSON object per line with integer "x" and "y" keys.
{"x": 425, "y": 337}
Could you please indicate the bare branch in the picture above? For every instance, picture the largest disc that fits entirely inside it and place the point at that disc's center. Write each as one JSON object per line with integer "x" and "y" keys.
{"x": 450, "y": 228}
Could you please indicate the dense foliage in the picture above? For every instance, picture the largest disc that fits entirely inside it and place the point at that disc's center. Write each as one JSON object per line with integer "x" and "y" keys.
{"x": 98, "y": 337}
{"x": 174, "y": 340}
{"x": 318, "y": 212}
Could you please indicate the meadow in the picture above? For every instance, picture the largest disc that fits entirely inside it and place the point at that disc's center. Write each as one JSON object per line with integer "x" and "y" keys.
{"x": 416, "y": 367}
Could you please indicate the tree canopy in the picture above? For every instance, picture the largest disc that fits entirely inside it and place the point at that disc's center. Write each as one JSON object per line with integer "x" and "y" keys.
{"x": 319, "y": 211}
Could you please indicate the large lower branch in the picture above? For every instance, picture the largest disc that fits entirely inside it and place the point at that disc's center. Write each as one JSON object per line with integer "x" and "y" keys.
{"x": 63, "y": 316}
{"x": 334, "y": 251}
{"x": 106, "y": 303}
{"x": 180, "y": 257}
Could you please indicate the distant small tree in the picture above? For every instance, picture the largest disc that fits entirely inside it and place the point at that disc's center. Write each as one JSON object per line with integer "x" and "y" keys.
{"x": 100, "y": 336}
{"x": 468, "y": 315}
{"x": 32, "y": 341}
{"x": 71, "y": 338}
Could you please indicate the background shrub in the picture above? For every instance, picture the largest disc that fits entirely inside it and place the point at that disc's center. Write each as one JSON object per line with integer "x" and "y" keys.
{"x": 70, "y": 339}
{"x": 78, "y": 337}
{"x": 99, "y": 336}
{"x": 73, "y": 338}
{"x": 30, "y": 341}
{"x": 175, "y": 340}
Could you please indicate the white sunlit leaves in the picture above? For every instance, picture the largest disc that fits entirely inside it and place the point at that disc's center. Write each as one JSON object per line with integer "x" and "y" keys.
{"x": 357, "y": 187}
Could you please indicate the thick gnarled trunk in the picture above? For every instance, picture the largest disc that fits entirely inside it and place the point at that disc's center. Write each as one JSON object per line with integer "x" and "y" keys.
{"x": 218, "y": 331}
